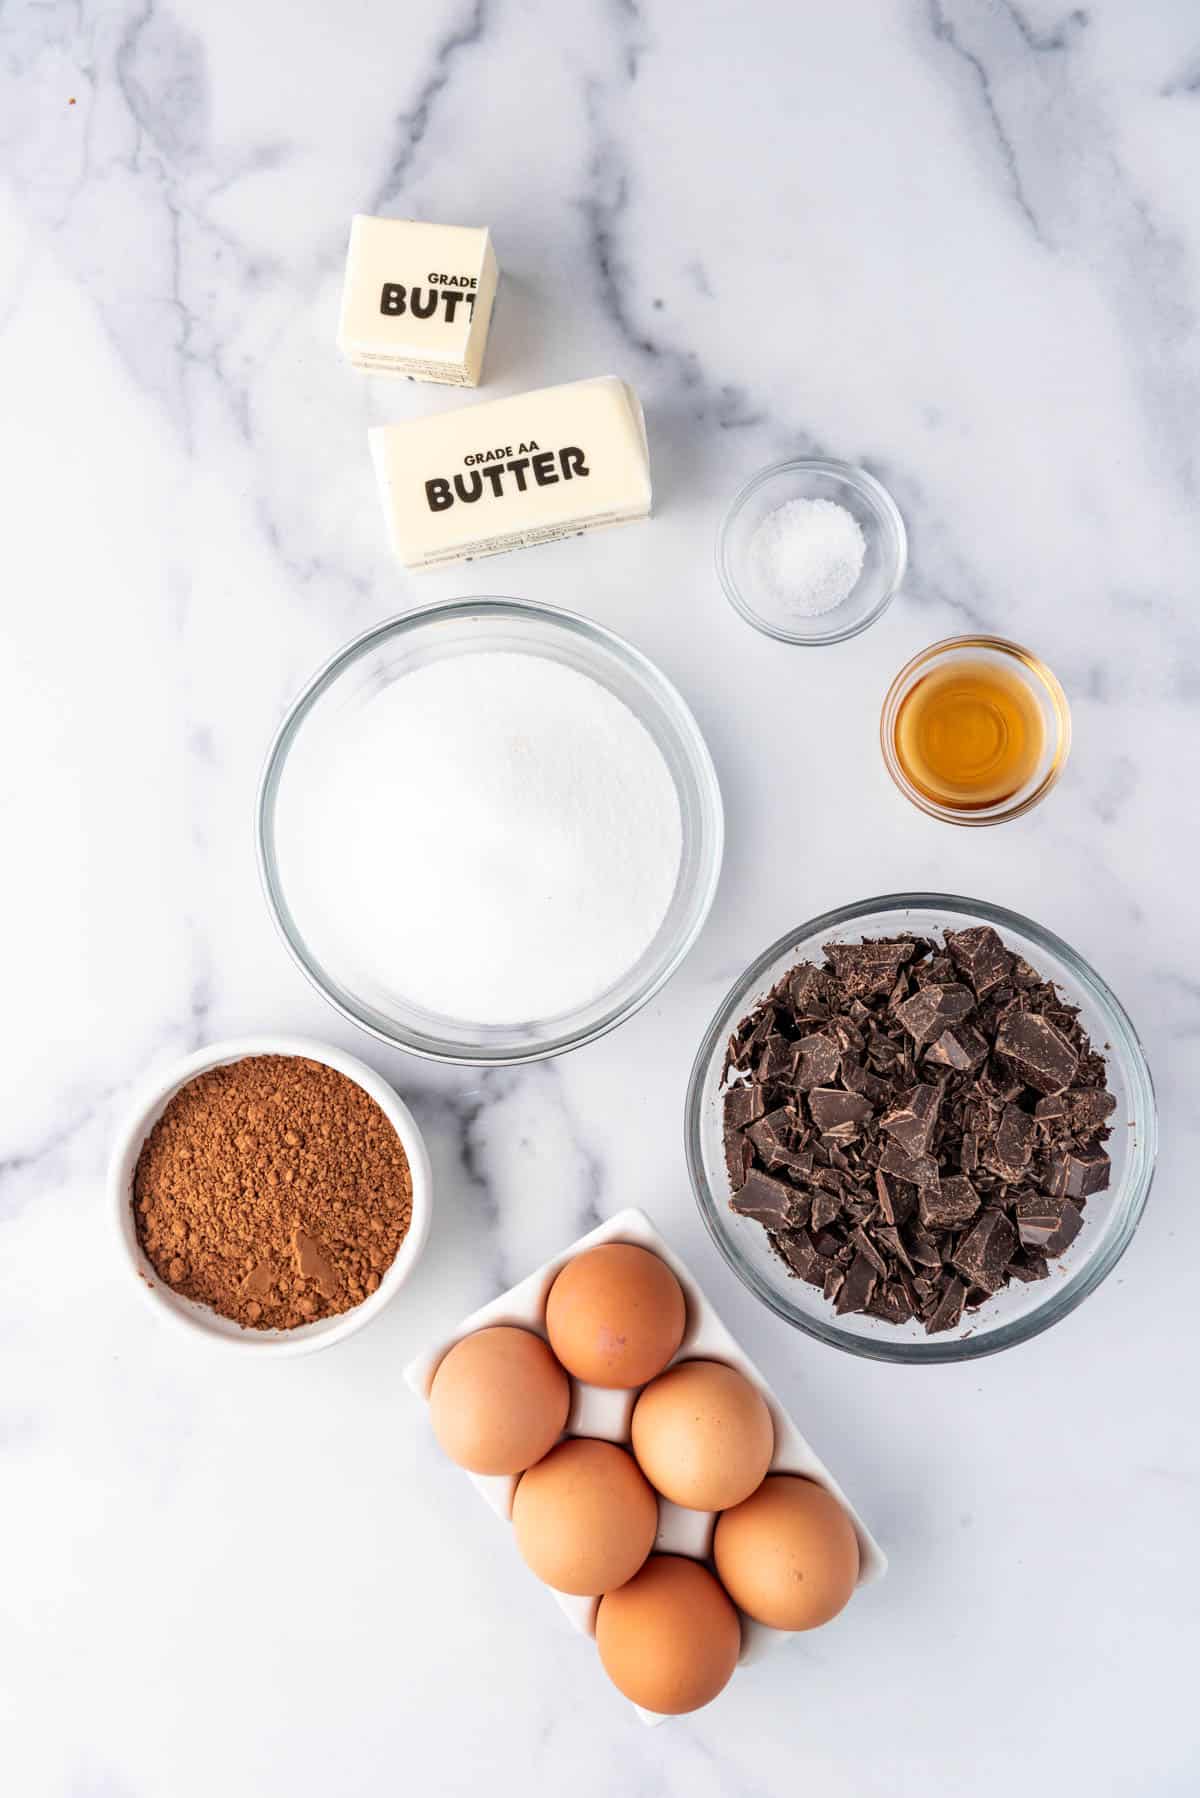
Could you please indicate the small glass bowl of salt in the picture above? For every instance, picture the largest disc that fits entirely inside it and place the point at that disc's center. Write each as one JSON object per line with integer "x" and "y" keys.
{"x": 811, "y": 551}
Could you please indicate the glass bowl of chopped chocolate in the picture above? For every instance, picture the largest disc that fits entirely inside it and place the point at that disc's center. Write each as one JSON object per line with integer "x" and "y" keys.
{"x": 921, "y": 1128}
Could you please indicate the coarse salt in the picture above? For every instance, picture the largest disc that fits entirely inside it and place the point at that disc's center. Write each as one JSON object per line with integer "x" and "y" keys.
{"x": 809, "y": 554}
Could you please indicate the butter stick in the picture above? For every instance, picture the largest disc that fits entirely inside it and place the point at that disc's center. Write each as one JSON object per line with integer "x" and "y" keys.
{"x": 513, "y": 472}
{"x": 417, "y": 299}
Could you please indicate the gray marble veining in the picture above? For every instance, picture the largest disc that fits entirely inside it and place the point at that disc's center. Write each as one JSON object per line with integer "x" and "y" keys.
{"x": 957, "y": 240}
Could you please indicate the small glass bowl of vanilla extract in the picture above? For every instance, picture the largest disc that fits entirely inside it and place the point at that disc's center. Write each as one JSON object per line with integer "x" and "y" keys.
{"x": 975, "y": 730}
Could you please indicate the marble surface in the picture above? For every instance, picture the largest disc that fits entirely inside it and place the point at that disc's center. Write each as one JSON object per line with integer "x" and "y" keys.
{"x": 957, "y": 241}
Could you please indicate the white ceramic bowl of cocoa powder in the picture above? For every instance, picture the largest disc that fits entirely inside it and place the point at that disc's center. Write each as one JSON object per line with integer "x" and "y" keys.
{"x": 200, "y": 1321}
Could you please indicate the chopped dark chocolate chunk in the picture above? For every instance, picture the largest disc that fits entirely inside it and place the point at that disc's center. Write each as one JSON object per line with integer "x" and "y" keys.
{"x": 825, "y": 1207}
{"x": 743, "y": 1105}
{"x": 870, "y": 968}
{"x": 770, "y": 1202}
{"x": 949, "y": 1205}
{"x": 739, "y": 1157}
{"x": 771, "y": 1137}
{"x": 947, "y": 1313}
{"x": 921, "y": 1170}
{"x": 838, "y": 1114}
{"x": 1038, "y": 1216}
{"x": 959, "y": 1047}
{"x": 1043, "y": 1059}
{"x": 849, "y": 1038}
{"x": 742, "y": 1045}
{"x": 922, "y": 1247}
{"x": 892, "y": 1303}
{"x": 1010, "y": 1149}
{"x": 834, "y": 1277}
{"x": 858, "y": 1079}
{"x": 985, "y": 1251}
{"x": 1069, "y": 1227}
{"x": 868, "y": 1251}
{"x": 796, "y": 1162}
{"x": 890, "y": 1241}
{"x": 936, "y": 971}
{"x": 1079, "y": 1172}
{"x": 981, "y": 956}
{"x": 1047, "y": 1223}
{"x": 805, "y": 993}
{"x": 816, "y": 1061}
{"x": 1088, "y": 1111}
{"x": 775, "y": 1062}
{"x": 931, "y": 1010}
{"x": 912, "y": 1120}
{"x": 916, "y": 1125}
{"x": 1000, "y": 1085}
{"x": 858, "y": 1286}
{"x": 801, "y": 1254}
{"x": 903, "y": 1278}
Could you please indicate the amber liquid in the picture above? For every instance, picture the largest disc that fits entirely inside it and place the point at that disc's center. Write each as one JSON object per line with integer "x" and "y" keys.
{"x": 970, "y": 734}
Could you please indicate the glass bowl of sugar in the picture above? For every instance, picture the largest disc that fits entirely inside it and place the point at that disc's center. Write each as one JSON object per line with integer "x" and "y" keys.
{"x": 811, "y": 551}
{"x": 489, "y": 831}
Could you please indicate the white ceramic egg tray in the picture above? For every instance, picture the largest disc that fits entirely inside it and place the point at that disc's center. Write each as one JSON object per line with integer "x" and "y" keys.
{"x": 607, "y": 1414}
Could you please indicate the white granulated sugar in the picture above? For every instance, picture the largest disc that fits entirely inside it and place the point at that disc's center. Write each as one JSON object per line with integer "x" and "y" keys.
{"x": 493, "y": 837}
{"x": 809, "y": 554}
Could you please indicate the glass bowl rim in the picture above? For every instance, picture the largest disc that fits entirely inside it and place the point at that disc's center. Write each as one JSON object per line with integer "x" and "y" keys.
{"x": 903, "y": 682}
{"x": 502, "y": 606}
{"x": 1139, "y": 1180}
{"x": 879, "y": 499}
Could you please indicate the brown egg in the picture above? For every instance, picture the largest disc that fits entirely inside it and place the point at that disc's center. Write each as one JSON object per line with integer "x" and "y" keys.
{"x": 585, "y": 1517}
{"x": 670, "y": 1638}
{"x": 615, "y": 1315}
{"x": 788, "y": 1555}
{"x": 498, "y": 1401}
{"x": 703, "y": 1435}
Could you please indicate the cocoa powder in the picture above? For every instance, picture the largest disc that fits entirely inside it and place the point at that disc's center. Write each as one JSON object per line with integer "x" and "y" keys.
{"x": 273, "y": 1190}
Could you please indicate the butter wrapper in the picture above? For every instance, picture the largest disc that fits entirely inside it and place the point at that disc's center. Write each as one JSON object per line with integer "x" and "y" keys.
{"x": 512, "y": 472}
{"x": 417, "y": 299}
